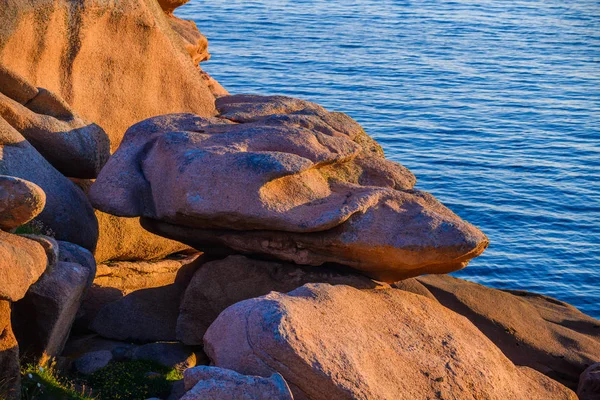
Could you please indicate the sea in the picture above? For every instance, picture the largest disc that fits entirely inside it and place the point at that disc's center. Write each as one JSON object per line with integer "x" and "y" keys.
{"x": 494, "y": 105}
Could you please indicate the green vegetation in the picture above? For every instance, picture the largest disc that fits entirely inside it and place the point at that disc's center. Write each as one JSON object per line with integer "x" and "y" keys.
{"x": 34, "y": 227}
{"x": 39, "y": 383}
{"x": 124, "y": 380}
{"x": 128, "y": 380}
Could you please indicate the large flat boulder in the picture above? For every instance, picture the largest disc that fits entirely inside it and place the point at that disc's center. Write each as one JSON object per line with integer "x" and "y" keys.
{"x": 68, "y": 215}
{"x": 22, "y": 262}
{"x": 138, "y": 300}
{"x": 294, "y": 181}
{"x": 114, "y": 63}
{"x": 537, "y": 331}
{"x": 337, "y": 342}
{"x": 219, "y": 284}
{"x": 72, "y": 145}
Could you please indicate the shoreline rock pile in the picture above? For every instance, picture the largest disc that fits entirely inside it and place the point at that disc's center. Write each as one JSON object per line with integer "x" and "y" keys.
{"x": 262, "y": 246}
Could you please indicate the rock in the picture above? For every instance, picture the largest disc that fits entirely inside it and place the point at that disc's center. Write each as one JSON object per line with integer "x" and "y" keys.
{"x": 72, "y": 145}
{"x": 195, "y": 42}
{"x": 15, "y": 86}
{"x": 589, "y": 383}
{"x": 308, "y": 187}
{"x": 10, "y": 371}
{"x": 215, "y": 87}
{"x": 114, "y": 63}
{"x": 72, "y": 253}
{"x": 211, "y": 383}
{"x": 124, "y": 239}
{"x": 78, "y": 345}
{"x": 219, "y": 284}
{"x": 337, "y": 342}
{"x": 22, "y": 262}
{"x": 532, "y": 330}
{"x": 177, "y": 390}
{"x": 68, "y": 215}
{"x": 50, "y": 247}
{"x": 92, "y": 362}
{"x": 45, "y": 315}
{"x": 139, "y": 301}
{"x": 169, "y": 6}
{"x": 414, "y": 286}
{"x": 170, "y": 354}
{"x": 20, "y": 201}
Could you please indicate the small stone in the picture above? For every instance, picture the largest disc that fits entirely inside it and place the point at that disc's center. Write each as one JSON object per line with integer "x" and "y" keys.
{"x": 92, "y": 362}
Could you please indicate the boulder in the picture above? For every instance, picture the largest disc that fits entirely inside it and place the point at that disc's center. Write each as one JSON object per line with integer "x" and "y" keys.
{"x": 296, "y": 182}
{"x": 124, "y": 239}
{"x": 219, "y": 284}
{"x": 139, "y": 301}
{"x": 170, "y": 354}
{"x": 212, "y": 383}
{"x": 589, "y": 383}
{"x": 20, "y": 201}
{"x": 94, "y": 361}
{"x": 72, "y": 253}
{"x": 337, "y": 342}
{"x": 68, "y": 215}
{"x": 50, "y": 246}
{"x": 195, "y": 43}
{"x": 169, "y": 6}
{"x": 531, "y": 329}
{"x": 72, "y": 145}
{"x": 10, "y": 371}
{"x": 43, "y": 318}
{"x": 114, "y": 63}
{"x": 79, "y": 345}
{"x": 22, "y": 262}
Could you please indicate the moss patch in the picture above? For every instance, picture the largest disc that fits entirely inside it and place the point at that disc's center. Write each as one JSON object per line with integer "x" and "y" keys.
{"x": 40, "y": 383}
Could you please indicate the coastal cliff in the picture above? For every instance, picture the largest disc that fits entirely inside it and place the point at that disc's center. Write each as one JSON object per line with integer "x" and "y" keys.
{"x": 155, "y": 228}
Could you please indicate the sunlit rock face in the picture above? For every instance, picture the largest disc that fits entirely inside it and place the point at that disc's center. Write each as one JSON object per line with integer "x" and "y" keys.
{"x": 285, "y": 178}
{"x": 114, "y": 62}
{"x": 337, "y": 342}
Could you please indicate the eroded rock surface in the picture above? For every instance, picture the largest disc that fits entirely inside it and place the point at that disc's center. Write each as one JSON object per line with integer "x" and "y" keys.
{"x": 114, "y": 63}
{"x": 531, "y": 329}
{"x": 212, "y": 383}
{"x": 20, "y": 201}
{"x": 337, "y": 342}
{"x": 68, "y": 215}
{"x": 294, "y": 181}
{"x": 589, "y": 383}
{"x": 219, "y": 284}
{"x": 10, "y": 370}
{"x": 73, "y": 146}
{"x": 22, "y": 262}
{"x": 138, "y": 300}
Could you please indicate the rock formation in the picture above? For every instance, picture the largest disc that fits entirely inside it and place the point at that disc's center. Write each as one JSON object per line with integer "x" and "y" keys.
{"x": 222, "y": 283}
{"x": 211, "y": 383}
{"x": 589, "y": 383}
{"x": 336, "y": 342}
{"x": 300, "y": 184}
{"x": 20, "y": 202}
{"x": 114, "y": 63}
{"x": 530, "y": 329}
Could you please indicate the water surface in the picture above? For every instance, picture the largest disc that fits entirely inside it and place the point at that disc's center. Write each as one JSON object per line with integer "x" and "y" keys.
{"x": 494, "y": 106}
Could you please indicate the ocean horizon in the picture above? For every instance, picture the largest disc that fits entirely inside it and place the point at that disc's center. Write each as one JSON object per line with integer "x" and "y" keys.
{"x": 493, "y": 105}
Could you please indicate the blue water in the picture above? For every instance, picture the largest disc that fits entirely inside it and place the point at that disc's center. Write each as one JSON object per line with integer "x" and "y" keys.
{"x": 494, "y": 105}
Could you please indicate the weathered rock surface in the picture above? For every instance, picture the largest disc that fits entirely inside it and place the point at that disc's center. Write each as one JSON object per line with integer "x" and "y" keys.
{"x": 22, "y": 262}
{"x": 589, "y": 383}
{"x": 45, "y": 315}
{"x": 72, "y": 253}
{"x": 138, "y": 301}
{"x": 114, "y": 63}
{"x": 212, "y": 383}
{"x": 295, "y": 182}
{"x": 219, "y": 284}
{"x": 94, "y": 361}
{"x": 169, "y": 6}
{"x": 124, "y": 239}
{"x": 68, "y": 215}
{"x": 195, "y": 43}
{"x": 337, "y": 342}
{"x": 531, "y": 330}
{"x": 171, "y": 354}
{"x": 73, "y": 146}
{"x": 10, "y": 371}
{"x": 20, "y": 201}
